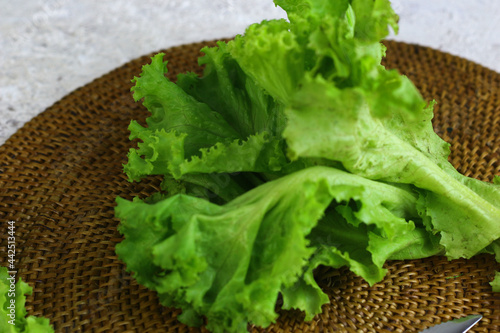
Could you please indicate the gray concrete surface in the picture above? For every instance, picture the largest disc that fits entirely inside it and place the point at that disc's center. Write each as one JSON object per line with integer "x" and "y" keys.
{"x": 50, "y": 47}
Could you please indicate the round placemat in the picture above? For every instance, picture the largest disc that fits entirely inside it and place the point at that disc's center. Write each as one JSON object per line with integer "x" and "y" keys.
{"x": 60, "y": 175}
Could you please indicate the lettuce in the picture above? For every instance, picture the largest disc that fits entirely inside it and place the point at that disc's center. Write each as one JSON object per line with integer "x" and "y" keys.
{"x": 16, "y": 321}
{"x": 296, "y": 148}
{"x": 230, "y": 262}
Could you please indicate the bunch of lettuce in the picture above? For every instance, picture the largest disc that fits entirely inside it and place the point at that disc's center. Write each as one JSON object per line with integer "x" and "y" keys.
{"x": 295, "y": 148}
{"x": 13, "y": 317}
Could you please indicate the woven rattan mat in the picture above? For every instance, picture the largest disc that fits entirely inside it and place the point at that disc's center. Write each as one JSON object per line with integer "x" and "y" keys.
{"x": 60, "y": 175}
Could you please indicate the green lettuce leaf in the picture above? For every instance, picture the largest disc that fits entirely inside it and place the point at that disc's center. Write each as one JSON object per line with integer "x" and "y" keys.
{"x": 16, "y": 321}
{"x": 358, "y": 139}
{"x": 226, "y": 88}
{"x": 230, "y": 262}
{"x": 185, "y": 139}
{"x": 195, "y": 132}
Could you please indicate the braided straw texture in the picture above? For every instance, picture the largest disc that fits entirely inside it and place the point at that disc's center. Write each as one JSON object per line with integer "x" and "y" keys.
{"x": 60, "y": 175}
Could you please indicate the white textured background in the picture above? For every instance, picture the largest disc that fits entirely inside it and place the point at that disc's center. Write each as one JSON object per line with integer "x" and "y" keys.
{"x": 50, "y": 47}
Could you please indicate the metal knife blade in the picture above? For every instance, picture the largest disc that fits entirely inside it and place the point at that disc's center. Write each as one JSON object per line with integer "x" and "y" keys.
{"x": 460, "y": 325}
